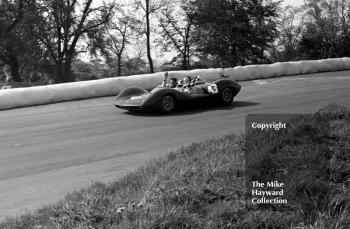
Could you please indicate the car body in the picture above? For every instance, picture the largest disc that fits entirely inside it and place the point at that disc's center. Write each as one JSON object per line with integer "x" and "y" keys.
{"x": 166, "y": 100}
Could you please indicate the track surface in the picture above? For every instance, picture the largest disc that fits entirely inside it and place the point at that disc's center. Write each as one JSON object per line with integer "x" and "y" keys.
{"x": 48, "y": 151}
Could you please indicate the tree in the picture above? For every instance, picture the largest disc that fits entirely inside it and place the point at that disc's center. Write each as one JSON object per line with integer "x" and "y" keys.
{"x": 11, "y": 14}
{"x": 19, "y": 50}
{"x": 236, "y": 31}
{"x": 60, "y": 24}
{"x": 264, "y": 28}
{"x": 111, "y": 40}
{"x": 327, "y": 32}
{"x": 291, "y": 27}
{"x": 136, "y": 64}
{"x": 177, "y": 27}
{"x": 149, "y": 7}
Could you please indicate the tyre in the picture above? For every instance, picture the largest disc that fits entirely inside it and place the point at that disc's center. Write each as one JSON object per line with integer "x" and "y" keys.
{"x": 226, "y": 96}
{"x": 167, "y": 104}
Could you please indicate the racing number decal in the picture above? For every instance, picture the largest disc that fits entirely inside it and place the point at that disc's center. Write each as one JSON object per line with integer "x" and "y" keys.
{"x": 213, "y": 89}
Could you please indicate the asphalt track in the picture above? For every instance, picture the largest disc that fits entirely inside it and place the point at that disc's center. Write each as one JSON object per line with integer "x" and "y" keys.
{"x": 48, "y": 151}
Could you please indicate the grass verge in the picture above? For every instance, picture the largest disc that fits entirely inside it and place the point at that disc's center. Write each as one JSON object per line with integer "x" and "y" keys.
{"x": 203, "y": 185}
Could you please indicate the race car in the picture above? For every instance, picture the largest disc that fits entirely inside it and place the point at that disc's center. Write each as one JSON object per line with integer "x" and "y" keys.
{"x": 166, "y": 100}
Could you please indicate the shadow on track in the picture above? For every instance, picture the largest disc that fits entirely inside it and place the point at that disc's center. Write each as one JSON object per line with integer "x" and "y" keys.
{"x": 194, "y": 109}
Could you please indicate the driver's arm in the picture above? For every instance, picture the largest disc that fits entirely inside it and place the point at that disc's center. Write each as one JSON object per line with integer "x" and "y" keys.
{"x": 163, "y": 83}
{"x": 165, "y": 78}
{"x": 199, "y": 80}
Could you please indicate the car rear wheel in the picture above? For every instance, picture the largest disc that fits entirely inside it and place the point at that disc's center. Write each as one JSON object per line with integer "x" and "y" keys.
{"x": 167, "y": 104}
{"x": 226, "y": 96}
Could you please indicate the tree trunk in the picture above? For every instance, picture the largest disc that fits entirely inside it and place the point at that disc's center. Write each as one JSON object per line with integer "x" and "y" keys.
{"x": 184, "y": 62}
{"x": 234, "y": 55}
{"x": 59, "y": 73}
{"x": 119, "y": 71}
{"x": 63, "y": 74}
{"x": 148, "y": 36}
{"x": 14, "y": 68}
{"x": 185, "y": 58}
{"x": 188, "y": 57}
{"x": 67, "y": 73}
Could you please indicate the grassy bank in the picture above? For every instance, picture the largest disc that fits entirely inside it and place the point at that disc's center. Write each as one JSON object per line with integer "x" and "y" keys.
{"x": 203, "y": 185}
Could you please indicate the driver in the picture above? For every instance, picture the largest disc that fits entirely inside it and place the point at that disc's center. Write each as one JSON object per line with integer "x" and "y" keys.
{"x": 187, "y": 84}
{"x": 194, "y": 85}
{"x": 172, "y": 82}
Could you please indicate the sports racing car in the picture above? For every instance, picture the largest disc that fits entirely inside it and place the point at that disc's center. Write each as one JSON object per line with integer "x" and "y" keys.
{"x": 166, "y": 100}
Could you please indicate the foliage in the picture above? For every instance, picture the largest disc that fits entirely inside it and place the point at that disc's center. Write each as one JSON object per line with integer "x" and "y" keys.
{"x": 112, "y": 39}
{"x": 18, "y": 49}
{"x": 60, "y": 24}
{"x": 37, "y": 36}
{"x": 90, "y": 71}
{"x": 177, "y": 25}
{"x": 238, "y": 32}
{"x": 327, "y": 32}
{"x": 149, "y": 7}
{"x": 291, "y": 26}
{"x": 135, "y": 65}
